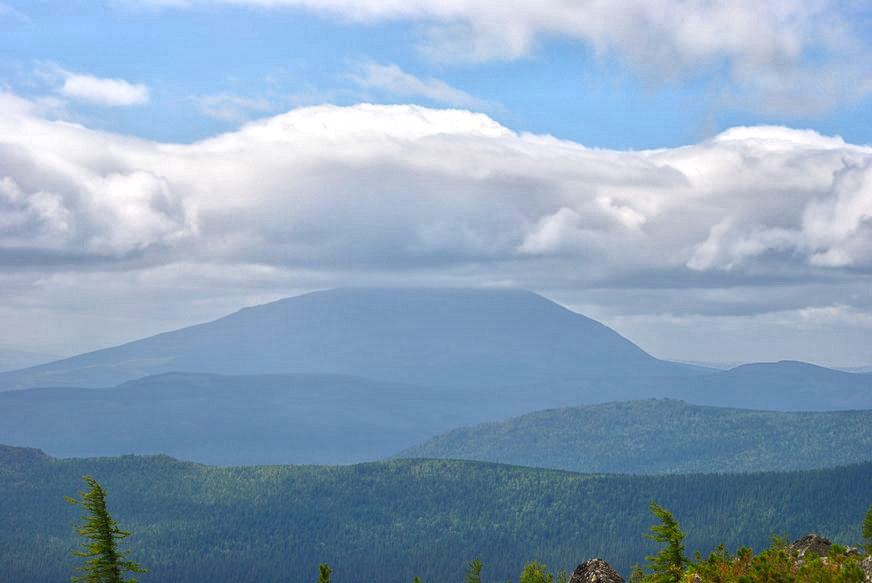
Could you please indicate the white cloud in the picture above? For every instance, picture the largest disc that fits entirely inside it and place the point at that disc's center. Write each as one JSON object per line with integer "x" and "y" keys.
{"x": 100, "y": 91}
{"x": 393, "y": 80}
{"x": 332, "y": 184}
{"x": 10, "y": 11}
{"x": 329, "y": 195}
{"x": 232, "y": 108}
{"x": 792, "y": 56}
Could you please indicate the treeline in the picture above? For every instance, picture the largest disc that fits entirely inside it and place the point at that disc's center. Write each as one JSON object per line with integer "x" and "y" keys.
{"x": 393, "y": 521}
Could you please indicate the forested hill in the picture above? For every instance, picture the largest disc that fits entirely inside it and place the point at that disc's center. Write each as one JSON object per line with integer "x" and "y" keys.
{"x": 662, "y": 436}
{"x": 392, "y": 520}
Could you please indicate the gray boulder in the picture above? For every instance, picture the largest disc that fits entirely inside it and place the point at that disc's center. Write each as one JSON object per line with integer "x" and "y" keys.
{"x": 866, "y": 564}
{"x": 811, "y": 544}
{"x": 595, "y": 571}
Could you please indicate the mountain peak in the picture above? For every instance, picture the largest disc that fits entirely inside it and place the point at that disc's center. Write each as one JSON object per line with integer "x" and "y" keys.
{"x": 428, "y": 336}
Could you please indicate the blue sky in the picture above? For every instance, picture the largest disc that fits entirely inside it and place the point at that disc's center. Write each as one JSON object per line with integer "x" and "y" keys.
{"x": 278, "y": 57}
{"x": 164, "y": 162}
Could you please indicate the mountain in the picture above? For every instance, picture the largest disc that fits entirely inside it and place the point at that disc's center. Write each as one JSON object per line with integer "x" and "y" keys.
{"x": 433, "y": 337}
{"x": 264, "y": 419}
{"x": 389, "y": 521}
{"x": 16, "y": 359}
{"x": 662, "y": 436}
{"x": 507, "y": 352}
{"x": 778, "y": 386}
{"x": 785, "y": 385}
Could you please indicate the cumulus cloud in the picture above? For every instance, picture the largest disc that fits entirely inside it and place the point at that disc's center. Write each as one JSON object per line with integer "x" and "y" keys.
{"x": 335, "y": 185}
{"x": 101, "y": 91}
{"x": 329, "y": 195}
{"x": 393, "y": 80}
{"x": 779, "y": 55}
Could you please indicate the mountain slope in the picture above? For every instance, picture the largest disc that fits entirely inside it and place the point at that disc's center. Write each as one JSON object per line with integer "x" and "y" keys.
{"x": 787, "y": 385}
{"x": 17, "y": 359}
{"x": 445, "y": 337}
{"x": 265, "y": 419}
{"x": 391, "y": 521}
{"x": 662, "y": 436}
{"x": 779, "y": 386}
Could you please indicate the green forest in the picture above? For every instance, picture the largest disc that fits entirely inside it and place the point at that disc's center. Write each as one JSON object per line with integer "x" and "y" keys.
{"x": 392, "y": 521}
{"x": 657, "y": 436}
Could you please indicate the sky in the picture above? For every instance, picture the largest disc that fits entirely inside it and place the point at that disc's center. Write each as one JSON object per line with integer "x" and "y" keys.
{"x": 696, "y": 174}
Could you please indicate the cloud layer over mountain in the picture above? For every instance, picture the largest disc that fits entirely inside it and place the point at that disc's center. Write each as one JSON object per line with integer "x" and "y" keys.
{"x": 385, "y": 194}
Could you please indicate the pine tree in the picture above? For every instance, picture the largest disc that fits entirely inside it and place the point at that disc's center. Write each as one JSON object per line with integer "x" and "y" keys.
{"x": 668, "y": 564}
{"x": 473, "y": 571}
{"x": 106, "y": 562}
{"x": 536, "y": 572}
{"x": 867, "y": 530}
{"x": 324, "y": 573}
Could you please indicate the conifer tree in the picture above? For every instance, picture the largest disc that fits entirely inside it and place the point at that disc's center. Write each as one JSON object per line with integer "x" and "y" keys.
{"x": 668, "y": 564}
{"x": 324, "y": 573}
{"x": 867, "y": 530}
{"x": 106, "y": 562}
{"x": 473, "y": 571}
{"x": 536, "y": 572}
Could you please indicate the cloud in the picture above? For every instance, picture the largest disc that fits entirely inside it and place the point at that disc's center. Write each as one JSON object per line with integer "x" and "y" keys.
{"x": 101, "y": 91}
{"x": 393, "y": 80}
{"x": 10, "y": 11}
{"x": 404, "y": 185}
{"x": 328, "y": 195}
{"x": 778, "y": 56}
{"x": 232, "y": 108}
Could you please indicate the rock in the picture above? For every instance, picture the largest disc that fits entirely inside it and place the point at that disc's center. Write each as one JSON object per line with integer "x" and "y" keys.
{"x": 811, "y": 544}
{"x": 866, "y": 564}
{"x": 595, "y": 571}
{"x": 853, "y": 552}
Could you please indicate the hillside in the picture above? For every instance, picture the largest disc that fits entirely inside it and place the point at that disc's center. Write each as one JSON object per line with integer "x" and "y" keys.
{"x": 445, "y": 337}
{"x": 786, "y": 385}
{"x": 780, "y": 386}
{"x": 662, "y": 436}
{"x": 389, "y": 521}
{"x": 256, "y": 419}
{"x": 16, "y": 359}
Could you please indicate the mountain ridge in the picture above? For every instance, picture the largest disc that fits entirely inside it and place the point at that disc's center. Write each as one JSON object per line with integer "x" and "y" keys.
{"x": 219, "y": 419}
{"x": 430, "y": 336}
{"x": 661, "y": 436}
